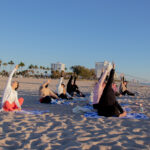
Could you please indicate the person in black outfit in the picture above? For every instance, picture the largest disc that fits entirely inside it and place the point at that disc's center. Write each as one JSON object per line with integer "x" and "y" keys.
{"x": 76, "y": 89}
{"x": 108, "y": 105}
{"x": 73, "y": 89}
{"x": 70, "y": 86}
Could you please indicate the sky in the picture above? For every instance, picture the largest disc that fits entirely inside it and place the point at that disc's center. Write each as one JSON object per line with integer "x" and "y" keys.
{"x": 77, "y": 32}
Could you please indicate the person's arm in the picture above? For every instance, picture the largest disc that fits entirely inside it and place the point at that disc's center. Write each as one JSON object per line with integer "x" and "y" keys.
{"x": 10, "y": 76}
{"x": 111, "y": 77}
{"x": 60, "y": 89}
{"x": 70, "y": 80}
{"x": 60, "y": 82}
{"x": 53, "y": 94}
{"x": 46, "y": 83}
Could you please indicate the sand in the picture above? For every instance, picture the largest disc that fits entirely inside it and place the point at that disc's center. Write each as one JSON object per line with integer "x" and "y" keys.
{"x": 64, "y": 130}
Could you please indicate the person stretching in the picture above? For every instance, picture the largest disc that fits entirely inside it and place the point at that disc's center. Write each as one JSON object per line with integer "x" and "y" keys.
{"x": 123, "y": 88}
{"x": 108, "y": 105}
{"x": 73, "y": 89}
{"x": 10, "y": 101}
{"x": 61, "y": 90}
{"x": 99, "y": 87}
{"x": 46, "y": 94}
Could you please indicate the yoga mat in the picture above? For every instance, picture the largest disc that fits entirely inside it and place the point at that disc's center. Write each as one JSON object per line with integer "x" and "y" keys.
{"x": 129, "y": 116}
{"x": 91, "y": 108}
{"x": 33, "y": 112}
{"x": 65, "y": 102}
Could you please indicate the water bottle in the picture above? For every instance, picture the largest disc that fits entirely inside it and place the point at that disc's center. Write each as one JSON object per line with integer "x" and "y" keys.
{"x": 141, "y": 108}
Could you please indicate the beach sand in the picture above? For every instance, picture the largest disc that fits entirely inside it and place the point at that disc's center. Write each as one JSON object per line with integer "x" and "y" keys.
{"x": 64, "y": 130}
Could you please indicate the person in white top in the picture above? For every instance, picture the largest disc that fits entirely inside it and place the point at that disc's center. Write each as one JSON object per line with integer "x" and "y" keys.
{"x": 61, "y": 90}
{"x": 10, "y": 101}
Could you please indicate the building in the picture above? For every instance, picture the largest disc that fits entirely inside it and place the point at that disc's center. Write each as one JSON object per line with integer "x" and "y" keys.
{"x": 58, "y": 66}
{"x": 99, "y": 66}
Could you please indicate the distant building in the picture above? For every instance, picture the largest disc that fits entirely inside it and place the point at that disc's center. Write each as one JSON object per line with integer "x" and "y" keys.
{"x": 58, "y": 66}
{"x": 99, "y": 66}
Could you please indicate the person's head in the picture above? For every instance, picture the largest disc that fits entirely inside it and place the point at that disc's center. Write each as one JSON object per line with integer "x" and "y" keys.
{"x": 125, "y": 83}
{"x": 63, "y": 85}
{"x": 15, "y": 85}
{"x": 46, "y": 86}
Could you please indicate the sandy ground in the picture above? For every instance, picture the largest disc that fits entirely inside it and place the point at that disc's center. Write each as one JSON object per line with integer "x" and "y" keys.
{"x": 64, "y": 130}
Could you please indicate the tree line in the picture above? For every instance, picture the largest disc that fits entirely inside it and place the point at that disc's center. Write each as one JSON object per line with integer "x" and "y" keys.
{"x": 45, "y": 72}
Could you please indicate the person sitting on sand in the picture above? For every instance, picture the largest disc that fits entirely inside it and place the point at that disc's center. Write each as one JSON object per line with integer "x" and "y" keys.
{"x": 10, "y": 101}
{"x": 99, "y": 87}
{"x": 61, "y": 90}
{"x": 73, "y": 89}
{"x": 108, "y": 105}
{"x": 46, "y": 95}
{"x": 123, "y": 87}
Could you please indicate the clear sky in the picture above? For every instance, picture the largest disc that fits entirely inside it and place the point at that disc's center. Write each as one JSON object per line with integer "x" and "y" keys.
{"x": 77, "y": 32}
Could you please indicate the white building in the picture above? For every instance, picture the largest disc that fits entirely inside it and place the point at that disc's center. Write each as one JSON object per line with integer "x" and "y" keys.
{"x": 58, "y": 66}
{"x": 99, "y": 66}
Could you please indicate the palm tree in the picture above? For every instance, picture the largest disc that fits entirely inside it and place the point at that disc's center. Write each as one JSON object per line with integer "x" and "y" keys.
{"x": 31, "y": 67}
{"x": 36, "y": 68}
{"x": 4, "y": 65}
{"x": 21, "y": 65}
{"x": 11, "y": 63}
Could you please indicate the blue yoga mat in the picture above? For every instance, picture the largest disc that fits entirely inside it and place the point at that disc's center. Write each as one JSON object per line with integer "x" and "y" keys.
{"x": 62, "y": 102}
{"x": 91, "y": 108}
{"x": 33, "y": 112}
{"x": 129, "y": 115}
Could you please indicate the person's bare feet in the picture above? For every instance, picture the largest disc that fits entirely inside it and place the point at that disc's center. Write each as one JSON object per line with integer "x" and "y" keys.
{"x": 123, "y": 114}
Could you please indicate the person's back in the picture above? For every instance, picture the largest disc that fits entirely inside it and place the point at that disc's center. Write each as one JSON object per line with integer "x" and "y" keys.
{"x": 44, "y": 92}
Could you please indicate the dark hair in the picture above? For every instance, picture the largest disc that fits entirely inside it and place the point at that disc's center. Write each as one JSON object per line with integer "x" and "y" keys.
{"x": 63, "y": 84}
{"x": 46, "y": 86}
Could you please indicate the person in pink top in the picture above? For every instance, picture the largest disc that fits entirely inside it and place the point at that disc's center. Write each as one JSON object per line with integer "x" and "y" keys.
{"x": 98, "y": 89}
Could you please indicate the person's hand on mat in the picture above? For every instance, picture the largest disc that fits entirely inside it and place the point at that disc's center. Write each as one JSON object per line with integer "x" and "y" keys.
{"x": 17, "y": 66}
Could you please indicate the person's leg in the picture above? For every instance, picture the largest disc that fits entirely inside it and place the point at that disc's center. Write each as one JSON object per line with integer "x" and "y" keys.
{"x": 21, "y": 100}
{"x": 63, "y": 96}
{"x": 95, "y": 106}
{"x": 69, "y": 85}
{"x": 130, "y": 93}
{"x": 7, "y": 106}
{"x": 46, "y": 100}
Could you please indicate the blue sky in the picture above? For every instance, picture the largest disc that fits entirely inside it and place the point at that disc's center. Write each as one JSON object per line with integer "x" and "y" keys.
{"x": 77, "y": 32}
